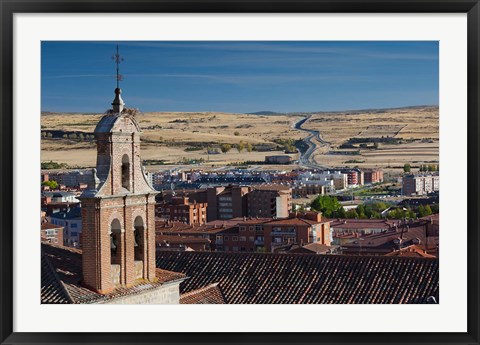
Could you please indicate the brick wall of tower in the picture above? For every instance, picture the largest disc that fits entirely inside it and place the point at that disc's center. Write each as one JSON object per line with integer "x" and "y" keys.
{"x": 96, "y": 247}
{"x": 97, "y": 252}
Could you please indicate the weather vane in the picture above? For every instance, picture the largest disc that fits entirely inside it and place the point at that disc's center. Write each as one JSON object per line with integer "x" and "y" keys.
{"x": 117, "y": 58}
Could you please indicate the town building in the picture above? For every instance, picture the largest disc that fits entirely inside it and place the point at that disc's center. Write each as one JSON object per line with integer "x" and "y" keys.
{"x": 420, "y": 184}
{"x": 51, "y": 233}
{"x": 59, "y": 196}
{"x": 181, "y": 209}
{"x": 272, "y": 200}
{"x": 422, "y": 232}
{"x": 226, "y": 202}
{"x": 71, "y": 222}
{"x": 306, "y": 190}
{"x": 373, "y": 176}
{"x": 68, "y": 178}
{"x": 250, "y": 234}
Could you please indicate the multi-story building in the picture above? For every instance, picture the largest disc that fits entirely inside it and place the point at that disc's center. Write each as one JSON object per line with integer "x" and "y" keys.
{"x": 182, "y": 210}
{"x": 272, "y": 200}
{"x": 303, "y": 191}
{"x": 373, "y": 176}
{"x": 69, "y": 178}
{"x": 255, "y": 234}
{"x": 52, "y": 233}
{"x": 226, "y": 202}
{"x": 420, "y": 184}
{"x": 71, "y": 222}
{"x": 355, "y": 177}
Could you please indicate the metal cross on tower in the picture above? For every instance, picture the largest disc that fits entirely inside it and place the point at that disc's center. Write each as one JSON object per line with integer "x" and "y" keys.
{"x": 117, "y": 58}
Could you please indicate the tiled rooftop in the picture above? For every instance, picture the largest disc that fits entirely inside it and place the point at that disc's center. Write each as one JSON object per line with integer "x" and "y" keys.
{"x": 62, "y": 274}
{"x": 210, "y": 294}
{"x": 416, "y": 234}
{"x": 246, "y": 278}
{"x": 46, "y": 226}
{"x": 315, "y": 247}
{"x": 362, "y": 223}
{"x": 411, "y": 251}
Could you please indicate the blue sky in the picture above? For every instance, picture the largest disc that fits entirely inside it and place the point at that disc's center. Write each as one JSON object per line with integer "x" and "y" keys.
{"x": 241, "y": 76}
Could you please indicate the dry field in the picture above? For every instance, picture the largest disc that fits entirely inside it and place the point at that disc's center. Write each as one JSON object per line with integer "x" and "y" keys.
{"x": 171, "y": 136}
{"x": 415, "y": 123}
{"x": 419, "y": 127}
{"x": 167, "y": 135}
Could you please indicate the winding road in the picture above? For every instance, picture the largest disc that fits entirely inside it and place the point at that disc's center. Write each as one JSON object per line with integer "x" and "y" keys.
{"x": 306, "y": 158}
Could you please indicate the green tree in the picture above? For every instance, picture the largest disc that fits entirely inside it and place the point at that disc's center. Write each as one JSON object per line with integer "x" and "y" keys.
{"x": 361, "y": 211}
{"x": 52, "y": 184}
{"x": 249, "y": 147}
{"x": 236, "y": 133}
{"x": 407, "y": 168}
{"x": 225, "y": 147}
{"x": 326, "y": 204}
{"x": 352, "y": 213}
{"x": 49, "y": 135}
{"x": 73, "y": 136}
{"x": 341, "y": 213}
{"x": 81, "y": 136}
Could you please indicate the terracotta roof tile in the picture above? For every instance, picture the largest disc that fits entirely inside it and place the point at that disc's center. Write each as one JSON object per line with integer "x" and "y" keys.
{"x": 62, "y": 275}
{"x": 247, "y": 278}
{"x": 211, "y": 294}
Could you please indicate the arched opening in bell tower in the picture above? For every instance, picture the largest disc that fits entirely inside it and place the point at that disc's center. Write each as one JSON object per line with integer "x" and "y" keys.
{"x": 126, "y": 172}
{"x": 139, "y": 237}
{"x": 115, "y": 242}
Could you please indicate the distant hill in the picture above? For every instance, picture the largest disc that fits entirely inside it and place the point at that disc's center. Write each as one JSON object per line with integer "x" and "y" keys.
{"x": 266, "y": 113}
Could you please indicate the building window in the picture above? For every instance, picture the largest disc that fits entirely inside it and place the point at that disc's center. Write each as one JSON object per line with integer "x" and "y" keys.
{"x": 226, "y": 238}
{"x": 243, "y": 238}
{"x": 73, "y": 225}
{"x": 242, "y": 228}
{"x": 251, "y": 238}
{"x": 250, "y": 228}
{"x": 235, "y": 249}
{"x": 235, "y": 238}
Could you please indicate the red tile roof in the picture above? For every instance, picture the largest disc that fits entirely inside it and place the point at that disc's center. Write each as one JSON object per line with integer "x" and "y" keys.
{"x": 246, "y": 278}
{"x": 176, "y": 239}
{"x": 62, "y": 275}
{"x": 358, "y": 224}
{"x": 411, "y": 251}
{"x": 383, "y": 243}
{"x": 314, "y": 247}
{"x": 211, "y": 294}
{"x": 46, "y": 226}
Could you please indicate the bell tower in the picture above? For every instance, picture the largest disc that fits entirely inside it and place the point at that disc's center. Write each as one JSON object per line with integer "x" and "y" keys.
{"x": 118, "y": 207}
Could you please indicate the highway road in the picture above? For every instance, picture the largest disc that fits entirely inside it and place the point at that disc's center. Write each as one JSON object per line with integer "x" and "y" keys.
{"x": 306, "y": 159}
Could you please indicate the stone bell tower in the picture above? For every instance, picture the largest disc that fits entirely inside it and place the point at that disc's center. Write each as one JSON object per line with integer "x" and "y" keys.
{"x": 118, "y": 212}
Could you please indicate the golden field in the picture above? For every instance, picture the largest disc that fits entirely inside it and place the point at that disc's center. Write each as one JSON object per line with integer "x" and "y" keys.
{"x": 166, "y": 136}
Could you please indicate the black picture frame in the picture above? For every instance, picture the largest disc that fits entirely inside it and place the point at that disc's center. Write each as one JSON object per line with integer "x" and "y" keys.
{"x": 10, "y": 7}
